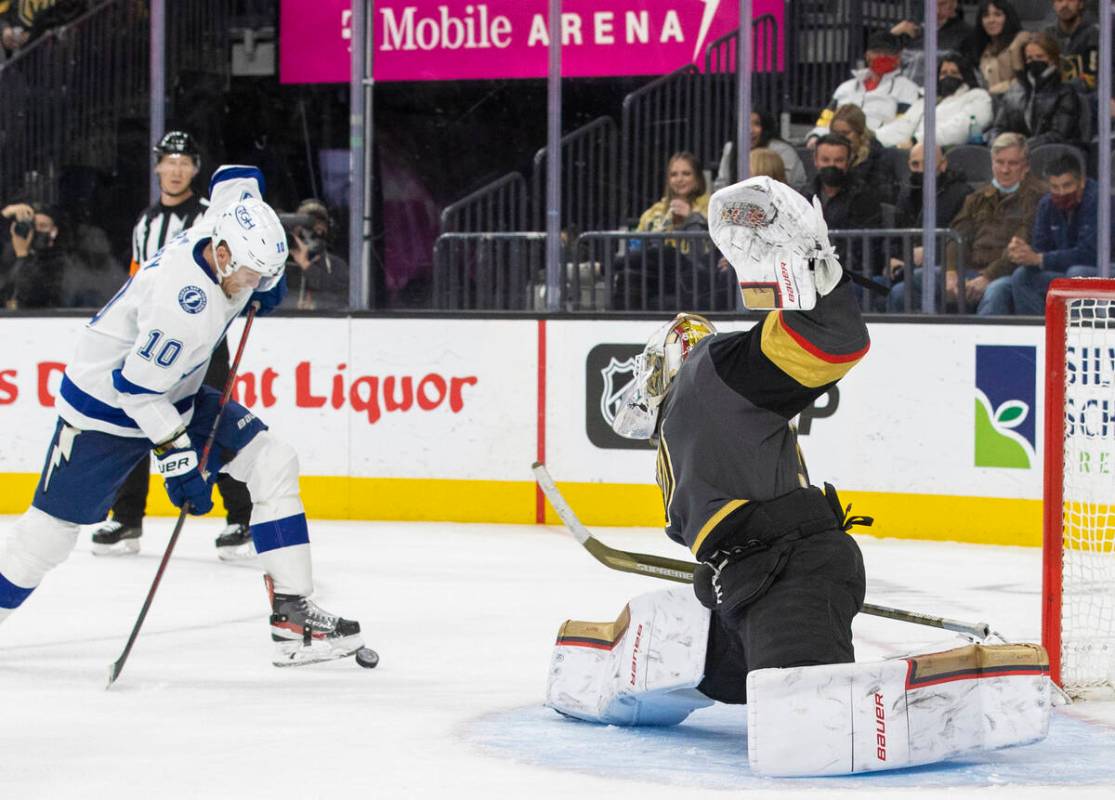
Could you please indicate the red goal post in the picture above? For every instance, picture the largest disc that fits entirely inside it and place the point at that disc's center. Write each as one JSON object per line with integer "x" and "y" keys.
{"x": 1078, "y": 576}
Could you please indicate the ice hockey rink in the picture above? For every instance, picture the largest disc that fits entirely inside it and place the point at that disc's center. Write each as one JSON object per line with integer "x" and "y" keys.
{"x": 463, "y": 617}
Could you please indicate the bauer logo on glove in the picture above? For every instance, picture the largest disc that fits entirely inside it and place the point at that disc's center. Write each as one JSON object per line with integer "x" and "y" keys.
{"x": 776, "y": 241}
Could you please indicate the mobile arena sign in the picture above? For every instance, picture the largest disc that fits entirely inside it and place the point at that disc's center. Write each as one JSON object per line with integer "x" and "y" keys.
{"x": 440, "y": 40}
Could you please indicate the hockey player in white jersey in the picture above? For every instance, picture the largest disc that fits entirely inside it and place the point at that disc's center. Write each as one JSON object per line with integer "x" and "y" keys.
{"x": 134, "y": 387}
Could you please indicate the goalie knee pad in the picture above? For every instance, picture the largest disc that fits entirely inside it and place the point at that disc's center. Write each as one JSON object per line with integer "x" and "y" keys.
{"x": 896, "y": 713}
{"x": 642, "y": 669}
{"x": 41, "y": 542}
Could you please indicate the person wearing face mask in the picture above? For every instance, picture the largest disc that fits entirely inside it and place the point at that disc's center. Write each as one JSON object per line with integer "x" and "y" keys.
{"x": 1062, "y": 242}
{"x": 40, "y": 264}
{"x": 992, "y": 216}
{"x": 951, "y": 191}
{"x": 960, "y": 104}
{"x": 869, "y": 164}
{"x": 952, "y": 30}
{"x": 846, "y": 203}
{"x": 878, "y": 88}
{"x": 1040, "y": 106}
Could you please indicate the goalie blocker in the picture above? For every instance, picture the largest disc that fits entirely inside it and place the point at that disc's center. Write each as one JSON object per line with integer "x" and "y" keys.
{"x": 644, "y": 669}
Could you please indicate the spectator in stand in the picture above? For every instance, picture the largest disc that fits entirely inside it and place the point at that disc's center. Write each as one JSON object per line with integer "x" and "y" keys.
{"x": 1079, "y": 40}
{"x": 320, "y": 281}
{"x": 682, "y": 207}
{"x": 1063, "y": 241}
{"x": 764, "y": 161}
{"x": 45, "y": 270}
{"x": 846, "y": 202}
{"x": 764, "y": 134}
{"x": 1040, "y": 106}
{"x": 878, "y": 89}
{"x": 952, "y": 30}
{"x": 991, "y": 218}
{"x": 963, "y": 110}
{"x": 952, "y": 189}
{"x": 868, "y": 165}
{"x": 23, "y": 21}
{"x": 996, "y": 45}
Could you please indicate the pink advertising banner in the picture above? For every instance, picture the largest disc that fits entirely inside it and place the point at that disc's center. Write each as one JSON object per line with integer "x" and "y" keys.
{"x": 440, "y": 40}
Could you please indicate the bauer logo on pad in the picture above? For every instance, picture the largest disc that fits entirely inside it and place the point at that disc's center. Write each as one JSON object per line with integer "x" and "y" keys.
{"x": 1006, "y": 397}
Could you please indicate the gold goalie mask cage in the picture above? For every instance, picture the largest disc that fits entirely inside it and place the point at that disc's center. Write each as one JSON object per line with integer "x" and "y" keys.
{"x": 655, "y": 369}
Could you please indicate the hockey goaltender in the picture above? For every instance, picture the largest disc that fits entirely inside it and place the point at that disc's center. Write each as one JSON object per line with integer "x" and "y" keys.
{"x": 768, "y": 622}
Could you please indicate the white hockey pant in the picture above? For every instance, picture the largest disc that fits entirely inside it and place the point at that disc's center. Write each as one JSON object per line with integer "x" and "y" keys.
{"x": 38, "y": 544}
{"x": 642, "y": 669}
{"x": 842, "y": 718}
{"x": 269, "y": 466}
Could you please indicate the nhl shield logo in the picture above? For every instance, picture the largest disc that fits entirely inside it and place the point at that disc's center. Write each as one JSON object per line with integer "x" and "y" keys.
{"x": 617, "y": 377}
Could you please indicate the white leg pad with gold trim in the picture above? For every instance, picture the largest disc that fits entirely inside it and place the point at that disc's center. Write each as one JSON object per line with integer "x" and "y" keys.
{"x": 642, "y": 669}
{"x": 843, "y": 718}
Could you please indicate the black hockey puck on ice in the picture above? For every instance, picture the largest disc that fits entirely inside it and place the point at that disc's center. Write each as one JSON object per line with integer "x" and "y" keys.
{"x": 367, "y": 658}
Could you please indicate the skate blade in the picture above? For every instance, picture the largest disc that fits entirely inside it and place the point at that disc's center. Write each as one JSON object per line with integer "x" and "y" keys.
{"x": 239, "y": 552}
{"x": 126, "y": 547}
{"x": 295, "y": 654}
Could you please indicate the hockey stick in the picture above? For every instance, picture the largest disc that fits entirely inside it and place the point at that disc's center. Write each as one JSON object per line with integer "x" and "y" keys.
{"x": 117, "y": 666}
{"x": 673, "y": 569}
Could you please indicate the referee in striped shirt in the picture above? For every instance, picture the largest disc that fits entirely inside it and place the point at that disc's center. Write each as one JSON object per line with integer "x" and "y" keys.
{"x": 177, "y": 163}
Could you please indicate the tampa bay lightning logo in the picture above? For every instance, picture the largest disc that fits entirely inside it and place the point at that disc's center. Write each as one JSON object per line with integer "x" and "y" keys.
{"x": 192, "y": 300}
{"x": 244, "y": 217}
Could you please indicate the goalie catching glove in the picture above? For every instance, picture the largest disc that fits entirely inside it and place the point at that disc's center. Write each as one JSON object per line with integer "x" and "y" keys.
{"x": 177, "y": 461}
{"x": 776, "y": 241}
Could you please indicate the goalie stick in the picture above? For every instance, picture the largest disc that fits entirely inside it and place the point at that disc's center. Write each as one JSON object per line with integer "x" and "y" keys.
{"x": 673, "y": 569}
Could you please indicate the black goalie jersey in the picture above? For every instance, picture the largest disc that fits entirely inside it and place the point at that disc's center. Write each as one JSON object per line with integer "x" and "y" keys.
{"x": 725, "y": 437}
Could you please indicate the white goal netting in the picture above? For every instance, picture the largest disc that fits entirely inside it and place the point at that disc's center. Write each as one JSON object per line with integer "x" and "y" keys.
{"x": 1088, "y": 481}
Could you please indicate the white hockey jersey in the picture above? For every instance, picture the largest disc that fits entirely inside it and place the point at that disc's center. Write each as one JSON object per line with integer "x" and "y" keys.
{"x": 141, "y": 359}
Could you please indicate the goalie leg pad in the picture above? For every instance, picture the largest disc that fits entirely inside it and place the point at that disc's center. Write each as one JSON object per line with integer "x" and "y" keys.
{"x": 846, "y": 718}
{"x": 642, "y": 669}
{"x": 40, "y": 543}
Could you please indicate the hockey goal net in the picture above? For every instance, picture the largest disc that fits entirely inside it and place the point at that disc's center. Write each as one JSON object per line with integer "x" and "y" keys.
{"x": 1078, "y": 592}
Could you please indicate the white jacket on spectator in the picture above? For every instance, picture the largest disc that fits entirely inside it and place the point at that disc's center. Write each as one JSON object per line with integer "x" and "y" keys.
{"x": 954, "y": 117}
{"x": 892, "y": 96}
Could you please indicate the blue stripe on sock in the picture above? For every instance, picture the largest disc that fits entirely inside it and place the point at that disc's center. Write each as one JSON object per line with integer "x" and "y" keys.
{"x": 278, "y": 533}
{"x": 11, "y": 596}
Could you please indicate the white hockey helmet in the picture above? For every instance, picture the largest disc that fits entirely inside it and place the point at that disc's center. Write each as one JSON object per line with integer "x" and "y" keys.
{"x": 256, "y": 239}
{"x": 655, "y": 369}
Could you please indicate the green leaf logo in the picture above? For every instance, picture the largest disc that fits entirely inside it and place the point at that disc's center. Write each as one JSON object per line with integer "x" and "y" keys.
{"x": 1011, "y": 414}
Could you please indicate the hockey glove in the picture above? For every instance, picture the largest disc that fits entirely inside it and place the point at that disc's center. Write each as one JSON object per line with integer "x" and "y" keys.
{"x": 270, "y": 300}
{"x": 177, "y": 462}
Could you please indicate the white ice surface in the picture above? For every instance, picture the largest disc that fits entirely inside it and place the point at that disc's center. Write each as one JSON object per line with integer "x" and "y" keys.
{"x": 463, "y": 617}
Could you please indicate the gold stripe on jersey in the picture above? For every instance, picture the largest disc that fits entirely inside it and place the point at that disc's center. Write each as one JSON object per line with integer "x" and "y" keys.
{"x": 665, "y": 474}
{"x": 801, "y": 359}
{"x": 713, "y": 521}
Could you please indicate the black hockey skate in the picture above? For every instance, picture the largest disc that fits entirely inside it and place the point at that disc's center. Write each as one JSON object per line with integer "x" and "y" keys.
{"x": 235, "y": 543}
{"x": 114, "y": 538}
{"x": 304, "y": 633}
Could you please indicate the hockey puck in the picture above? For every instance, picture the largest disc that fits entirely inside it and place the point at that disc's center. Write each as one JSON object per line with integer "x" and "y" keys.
{"x": 367, "y": 658}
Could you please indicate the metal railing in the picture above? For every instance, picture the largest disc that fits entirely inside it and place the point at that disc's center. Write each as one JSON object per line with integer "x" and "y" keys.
{"x": 620, "y": 271}
{"x": 868, "y": 253}
{"x": 824, "y": 39}
{"x": 721, "y": 76}
{"x": 657, "y": 119}
{"x": 66, "y": 94}
{"x": 498, "y": 206}
{"x": 489, "y": 272}
{"x": 589, "y": 178}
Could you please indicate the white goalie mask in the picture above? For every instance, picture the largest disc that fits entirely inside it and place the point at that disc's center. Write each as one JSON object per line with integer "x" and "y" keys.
{"x": 777, "y": 242}
{"x": 655, "y": 369}
{"x": 256, "y": 239}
